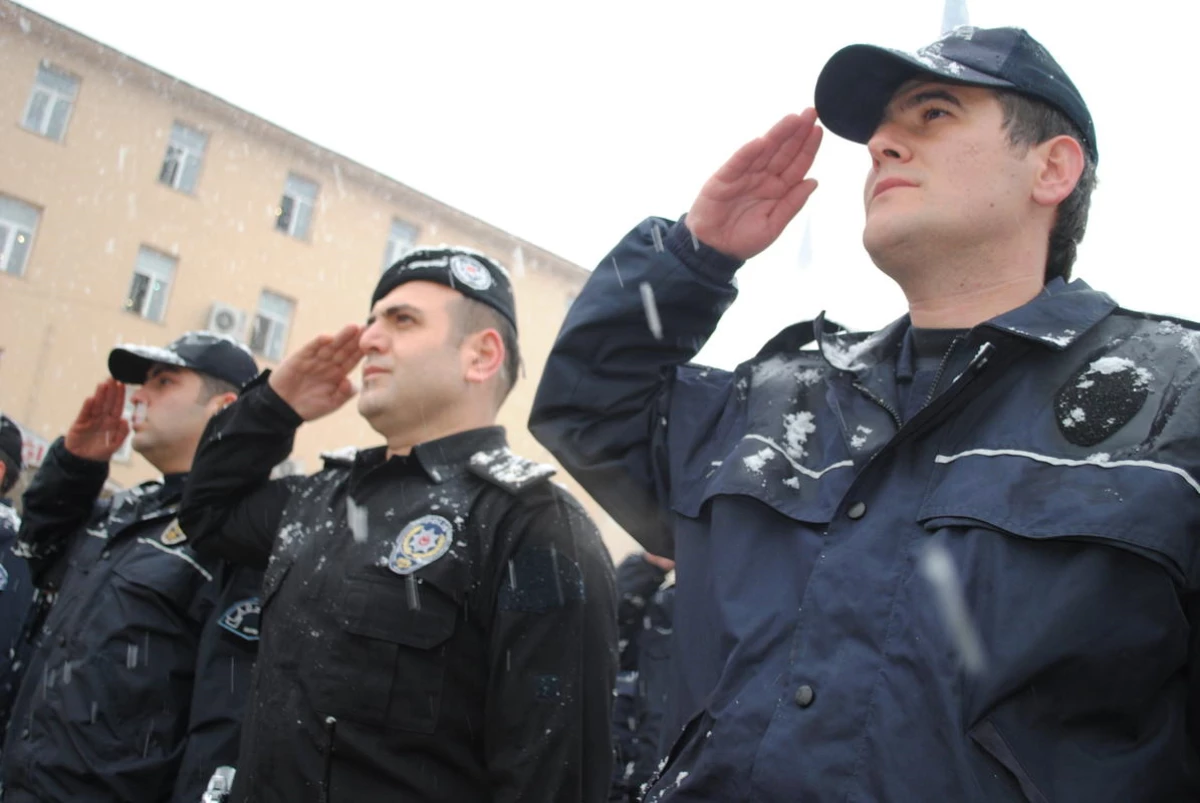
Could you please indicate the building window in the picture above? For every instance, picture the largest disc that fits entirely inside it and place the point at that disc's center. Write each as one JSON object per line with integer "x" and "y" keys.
{"x": 401, "y": 239}
{"x": 18, "y": 222}
{"x": 151, "y": 284}
{"x": 50, "y": 102}
{"x": 185, "y": 154}
{"x": 295, "y": 211}
{"x": 271, "y": 324}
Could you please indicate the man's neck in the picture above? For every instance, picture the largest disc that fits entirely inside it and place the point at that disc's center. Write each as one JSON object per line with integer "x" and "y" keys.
{"x": 969, "y": 306}
{"x": 402, "y": 443}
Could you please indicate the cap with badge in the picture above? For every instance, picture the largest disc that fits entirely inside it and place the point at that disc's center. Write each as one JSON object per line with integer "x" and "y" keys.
{"x": 471, "y": 273}
{"x": 858, "y": 82}
{"x": 216, "y": 355}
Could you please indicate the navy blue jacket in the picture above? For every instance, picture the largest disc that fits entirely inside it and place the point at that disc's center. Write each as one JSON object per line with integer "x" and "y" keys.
{"x": 16, "y": 597}
{"x": 141, "y": 666}
{"x": 1057, "y": 470}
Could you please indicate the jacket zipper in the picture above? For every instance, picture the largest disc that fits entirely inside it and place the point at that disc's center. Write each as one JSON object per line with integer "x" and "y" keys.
{"x": 330, "y": 731}
{"x": 937, "y": 379}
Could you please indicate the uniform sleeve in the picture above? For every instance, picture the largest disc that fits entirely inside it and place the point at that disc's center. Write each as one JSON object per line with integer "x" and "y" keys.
{"x": 228, "y": 646}
{"x": 604, "y": 395}
{"x": 552, "y": 660}
{"x": 56, "y": 506}
{"x": 231, "y": 508}
{"x": 637, "y": 580}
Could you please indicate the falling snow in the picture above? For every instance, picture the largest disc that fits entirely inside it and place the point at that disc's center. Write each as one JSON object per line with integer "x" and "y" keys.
{"x": 937, "y": 565}
{"x": 652, "y": 319}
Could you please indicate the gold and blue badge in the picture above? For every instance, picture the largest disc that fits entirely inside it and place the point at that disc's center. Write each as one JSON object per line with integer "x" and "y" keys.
{"x": 174, "y": 534}
{"x": 420, "y": 543}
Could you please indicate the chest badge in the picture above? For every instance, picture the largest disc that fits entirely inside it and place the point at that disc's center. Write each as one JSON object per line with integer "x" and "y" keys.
{"x": 242, "y": 619}
{"x": 420, "y": 543}
{"x": 173, "y": 535}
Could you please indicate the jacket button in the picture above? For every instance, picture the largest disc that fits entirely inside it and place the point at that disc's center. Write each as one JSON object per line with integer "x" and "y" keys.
{"x": 857, "y": 511}
{"x": 804, "y": 696}
{"x": 105, "y": 555}
{"x": 25, "y": 733}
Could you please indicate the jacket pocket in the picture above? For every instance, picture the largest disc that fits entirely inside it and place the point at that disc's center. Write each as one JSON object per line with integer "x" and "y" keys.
{"x": 989, "y": 740}
{"x": 388, "y": 668}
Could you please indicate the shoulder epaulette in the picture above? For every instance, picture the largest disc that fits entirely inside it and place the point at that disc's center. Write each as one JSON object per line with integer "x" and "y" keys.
{"x": 510, "y": 471}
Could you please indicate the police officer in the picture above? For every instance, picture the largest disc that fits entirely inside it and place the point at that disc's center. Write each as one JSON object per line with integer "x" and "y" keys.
{"x": 643, "y": 691}
{"x": 141, "y": 666}
{"x": 16, "y": 588}
{"x": 952, "y": 560}
{"x": 438, "y": 616}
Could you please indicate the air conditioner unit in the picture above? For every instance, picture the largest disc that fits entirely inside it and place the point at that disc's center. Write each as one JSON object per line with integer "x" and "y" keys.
{"x": 226, "y": 320}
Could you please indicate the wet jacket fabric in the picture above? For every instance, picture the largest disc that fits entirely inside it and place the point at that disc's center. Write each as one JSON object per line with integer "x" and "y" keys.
{"x": 16, "y": 598}
{"x": 436, "y": 627}
{"x": 141, "y": 665}
{"x": 994, "y": 600}
{"x": 644, "y": 682}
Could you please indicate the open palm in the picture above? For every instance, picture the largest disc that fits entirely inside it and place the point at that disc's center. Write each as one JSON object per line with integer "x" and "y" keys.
{"x": 99, "y": 429}
{"x": 315, "y": 380}
{"x": 749, "y": 201}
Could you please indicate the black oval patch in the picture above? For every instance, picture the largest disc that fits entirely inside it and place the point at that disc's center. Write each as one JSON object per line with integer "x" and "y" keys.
{"x": 1100, "y": 399}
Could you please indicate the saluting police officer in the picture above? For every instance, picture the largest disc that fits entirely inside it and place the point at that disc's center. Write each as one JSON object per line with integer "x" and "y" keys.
{"x": 439, "y": 618}
{"x": 141, "y": 667}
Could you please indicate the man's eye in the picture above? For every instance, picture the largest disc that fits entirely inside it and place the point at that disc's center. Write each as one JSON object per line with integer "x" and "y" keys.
{"x": 933, "y": 113}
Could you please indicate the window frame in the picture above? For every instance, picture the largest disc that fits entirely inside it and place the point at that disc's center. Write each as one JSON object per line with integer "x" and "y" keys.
{"x": 275, "y": 322}
{"x": 138, "y": 270}
{"x": 10, "y": 229}
{"x": 391, "y": 253}
{"x": 290, "y": 211}
{"x": 54, "y": 96}
{"x": 186, "y": 153}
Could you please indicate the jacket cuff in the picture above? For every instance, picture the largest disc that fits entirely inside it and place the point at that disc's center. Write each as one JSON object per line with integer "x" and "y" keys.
{"x": 73, "y": 463}
{"x": 264, "y": 397}
{"x": 707, "y": 262}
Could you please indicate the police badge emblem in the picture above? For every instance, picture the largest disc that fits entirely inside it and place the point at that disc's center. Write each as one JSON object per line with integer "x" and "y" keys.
{"x": 174, "y": 534}
{"x": 471, "y": 272}
{"x": 421, "y": 543}
{"x": 242, "y": 619}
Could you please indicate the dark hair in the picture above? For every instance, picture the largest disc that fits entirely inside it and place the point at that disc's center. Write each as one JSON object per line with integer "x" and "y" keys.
{"x": 211, "y": 386}
{"x": 1030, "y": 122}
{"x": 474, "y": 316}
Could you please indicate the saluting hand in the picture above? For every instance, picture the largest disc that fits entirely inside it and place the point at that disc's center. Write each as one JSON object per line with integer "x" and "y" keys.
{"x": 746, "y": 204}
{"x": 315, "y": 380}
{"x": 99, "y": 430}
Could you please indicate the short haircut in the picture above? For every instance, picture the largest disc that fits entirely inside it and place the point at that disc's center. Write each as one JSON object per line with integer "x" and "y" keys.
{"x": 471, "y": 316}
{"x": 1030, "y": 122}
{"x": 211, "y": 386}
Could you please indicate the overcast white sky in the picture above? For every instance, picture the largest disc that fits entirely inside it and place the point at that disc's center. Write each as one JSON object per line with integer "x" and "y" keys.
{"x": 567, "y": 124}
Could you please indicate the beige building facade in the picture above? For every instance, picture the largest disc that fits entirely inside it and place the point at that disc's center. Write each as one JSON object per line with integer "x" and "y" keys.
{"x": 135, "y": 207}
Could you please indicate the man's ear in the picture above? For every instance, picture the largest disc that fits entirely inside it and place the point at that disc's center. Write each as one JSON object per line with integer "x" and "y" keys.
{"x": 1059, "y": 167}
{"x": 484, "y": 355}
{"x": 219, "y": 402}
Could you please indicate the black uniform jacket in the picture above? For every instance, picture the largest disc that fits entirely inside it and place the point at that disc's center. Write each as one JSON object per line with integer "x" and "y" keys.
{"x": 141, "y": 665}
{"x": 439, "y": 626}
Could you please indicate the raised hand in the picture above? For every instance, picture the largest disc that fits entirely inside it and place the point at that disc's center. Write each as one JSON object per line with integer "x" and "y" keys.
{"x": 99, "y": 430}
{"x": 746, "y": 204}
{"x": 315, "y": 380}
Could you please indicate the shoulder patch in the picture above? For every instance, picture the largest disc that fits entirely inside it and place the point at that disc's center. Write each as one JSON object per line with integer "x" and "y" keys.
{"x": 1101, "y": 398}
{"x": 173, "y": 535}
{"x": 511, "y": 472}
{"x": 242, "y": 619}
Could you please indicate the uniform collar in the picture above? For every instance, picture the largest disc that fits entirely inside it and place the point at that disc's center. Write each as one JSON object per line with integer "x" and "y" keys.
{"x": 439, "y": 460}
{"x": 1058, "y": 316}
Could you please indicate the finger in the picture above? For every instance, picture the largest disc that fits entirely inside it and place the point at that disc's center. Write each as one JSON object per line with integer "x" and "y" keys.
{"x": 119, "y": 432}
{"x": 788, "y": 137}
{"x": 804, "y": 158}
{"x": 741, "y": 162}
{"x": 790, "y": 205}
{"x": 87, "y": 410}
{"x": 116, "y": 400}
